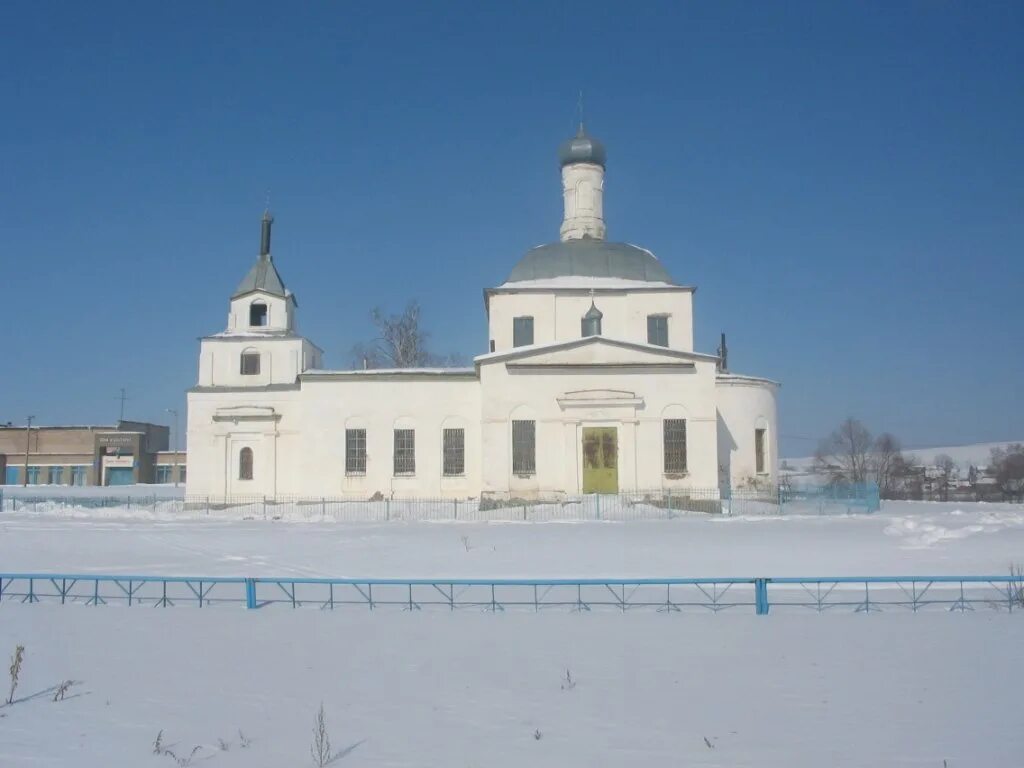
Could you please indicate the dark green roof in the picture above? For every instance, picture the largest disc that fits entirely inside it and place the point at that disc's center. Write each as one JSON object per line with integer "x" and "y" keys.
{"x": 581, "y": 148}
{"x": 589, "y": 257}
{"x": 262, "y": 277}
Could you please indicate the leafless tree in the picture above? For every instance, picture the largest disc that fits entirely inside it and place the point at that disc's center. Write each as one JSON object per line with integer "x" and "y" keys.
{"x": 401, "y": 342}
{"x": 946, "y": 467}
{"x": 845, "y": 455}
{"x": 1008, "y": 469}
{"x": 321, "y": 747}
{"x": 886, "y": 461}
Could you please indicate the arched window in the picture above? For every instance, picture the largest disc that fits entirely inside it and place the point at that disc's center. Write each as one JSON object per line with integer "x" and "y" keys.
{"x": 245, "y": 464}
{"x": 257, "y": 314}
{"x": 250, "y": 363}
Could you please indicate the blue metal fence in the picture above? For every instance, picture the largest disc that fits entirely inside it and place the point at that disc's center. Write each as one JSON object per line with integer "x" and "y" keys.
{"x": 865, "y": 594}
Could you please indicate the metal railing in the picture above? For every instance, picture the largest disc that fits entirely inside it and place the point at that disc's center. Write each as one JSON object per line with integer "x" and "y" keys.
{"x": 865, "y": 594}
{"x": 658, "y": 504}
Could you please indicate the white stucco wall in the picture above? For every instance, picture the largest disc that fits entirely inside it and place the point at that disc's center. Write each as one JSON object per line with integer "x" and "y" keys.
{"x": 557, "y": 314}
{"x": 583, "y": 199}
{"x": 624, "y": 390}
{"x": 282, "y": 359}
{"x": 280, "y": 313}
{"x": 745, "y": 404}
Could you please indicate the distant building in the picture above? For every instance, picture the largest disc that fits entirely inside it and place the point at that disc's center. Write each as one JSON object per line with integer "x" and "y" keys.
{"x": 591, "y": 384}
{"x": 129, "y": 452}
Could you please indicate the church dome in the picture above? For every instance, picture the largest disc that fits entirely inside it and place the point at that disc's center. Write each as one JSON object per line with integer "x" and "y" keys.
{"x": 581, "y": 148}
{"x": 589, "y": 257}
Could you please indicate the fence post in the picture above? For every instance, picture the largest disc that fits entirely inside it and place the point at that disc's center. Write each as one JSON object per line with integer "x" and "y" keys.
{"x": 671, "y": 514}
{"x": 761, "y": 596}
{"x": 250, "y": 593}
{"x": 207, "y": 506}
{"x": 323, "y": 508}
{"x": 387, "y": 509}
{"x": 455, "y": 505}
{"x": 597, "y": 496}
{"x": 264, "y": 507}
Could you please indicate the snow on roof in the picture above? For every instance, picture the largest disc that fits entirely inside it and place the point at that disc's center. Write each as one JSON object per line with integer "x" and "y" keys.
{"x": 584, "y": 282}
{"x": 740, "y": 378}
{"x": 526, "y": 349}
{"x": 391, "y": 372}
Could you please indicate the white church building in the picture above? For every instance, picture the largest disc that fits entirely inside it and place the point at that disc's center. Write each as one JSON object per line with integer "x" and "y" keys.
{"x": 591, "y": 385}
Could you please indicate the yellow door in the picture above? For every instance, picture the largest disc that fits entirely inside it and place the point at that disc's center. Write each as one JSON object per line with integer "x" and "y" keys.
{"x": 600, "y": 460}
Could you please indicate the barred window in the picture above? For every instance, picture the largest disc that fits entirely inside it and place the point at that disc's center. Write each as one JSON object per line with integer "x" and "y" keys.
{"x": 522, "y": 331}
{"x": 675, "y": 446}
{"x": 759, "y": 450}
{"x": 454, "y": 451}
{"x": 405, "y": 451}
{"x": 250, "y": 363}
{"x": 657, "y": 330}
{"x": 163, "y": 474}
{"x": 524, "y": 447}
{"x": 78, "y": 475}
{"x": 355, "y": 451}
{"x": 245, "y": 464}
{"x": 56, "y": 475}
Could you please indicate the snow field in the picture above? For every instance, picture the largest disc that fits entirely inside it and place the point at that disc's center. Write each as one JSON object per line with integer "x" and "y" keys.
{"x": 470, "y": 689}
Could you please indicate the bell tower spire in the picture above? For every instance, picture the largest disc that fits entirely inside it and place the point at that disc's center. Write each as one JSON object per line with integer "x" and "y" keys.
{"x": 265, "y": 224}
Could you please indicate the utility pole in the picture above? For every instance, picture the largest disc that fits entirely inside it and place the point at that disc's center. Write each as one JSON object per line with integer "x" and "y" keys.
{"x": 28, "y": 435}
{"x": 175, "y": 412}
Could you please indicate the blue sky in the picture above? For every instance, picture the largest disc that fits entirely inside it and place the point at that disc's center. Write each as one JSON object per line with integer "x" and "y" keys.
{"x": 842, "y": 181}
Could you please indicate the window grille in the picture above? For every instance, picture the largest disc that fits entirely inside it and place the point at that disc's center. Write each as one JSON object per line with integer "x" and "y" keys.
{"x": 355, "y": 451}
{"x": 759, "y": 450}
{"x": 675, "y": 446}
{"x": 250, "y": 363}
{"x": 522, "y": 331}
{"x": 454, "y": 447}
{"x": 524, "y": 447}
{"x": 657, "y": 330}
{"x": 405, "y": 451}
{"x": 245, "y": 464}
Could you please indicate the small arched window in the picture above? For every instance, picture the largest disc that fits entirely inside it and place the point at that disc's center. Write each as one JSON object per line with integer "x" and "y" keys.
{"x": 257, "y": 314}
{"x": 250, "y": 363}
{"x": 245, "y": 464}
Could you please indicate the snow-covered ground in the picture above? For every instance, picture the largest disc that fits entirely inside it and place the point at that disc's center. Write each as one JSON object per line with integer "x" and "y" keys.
{"x": 470, "y": 689}
{"x": 484, "y": 689}
{"x": 904, "y": 538}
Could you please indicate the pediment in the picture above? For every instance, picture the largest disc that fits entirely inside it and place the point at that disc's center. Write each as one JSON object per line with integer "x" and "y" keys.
{"x": 598, "y": 352}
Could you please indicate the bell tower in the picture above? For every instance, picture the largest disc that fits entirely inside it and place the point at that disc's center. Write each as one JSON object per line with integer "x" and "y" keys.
{"x": 583, "y": 160}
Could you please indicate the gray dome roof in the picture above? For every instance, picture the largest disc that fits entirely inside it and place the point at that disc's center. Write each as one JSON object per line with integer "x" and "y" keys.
{"x": 589, "y": 257}
{"x": 581, "y": 149}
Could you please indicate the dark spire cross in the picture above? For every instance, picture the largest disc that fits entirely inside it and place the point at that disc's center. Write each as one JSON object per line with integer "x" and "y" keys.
{"x": 266, "y": 223}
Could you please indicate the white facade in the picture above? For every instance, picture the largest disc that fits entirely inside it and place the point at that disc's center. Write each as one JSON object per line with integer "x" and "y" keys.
{"x": 547, "y": 412}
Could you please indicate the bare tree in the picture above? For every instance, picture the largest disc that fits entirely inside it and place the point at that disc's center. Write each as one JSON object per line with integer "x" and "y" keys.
{"x": 946, "y": 467}
{"x": 845, "y": 455}
{"x": 401, "y": 342}
{"x": 887, "y": 460}
{"x": 1008, "y": 469}
{"x": 321, "y": 747}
